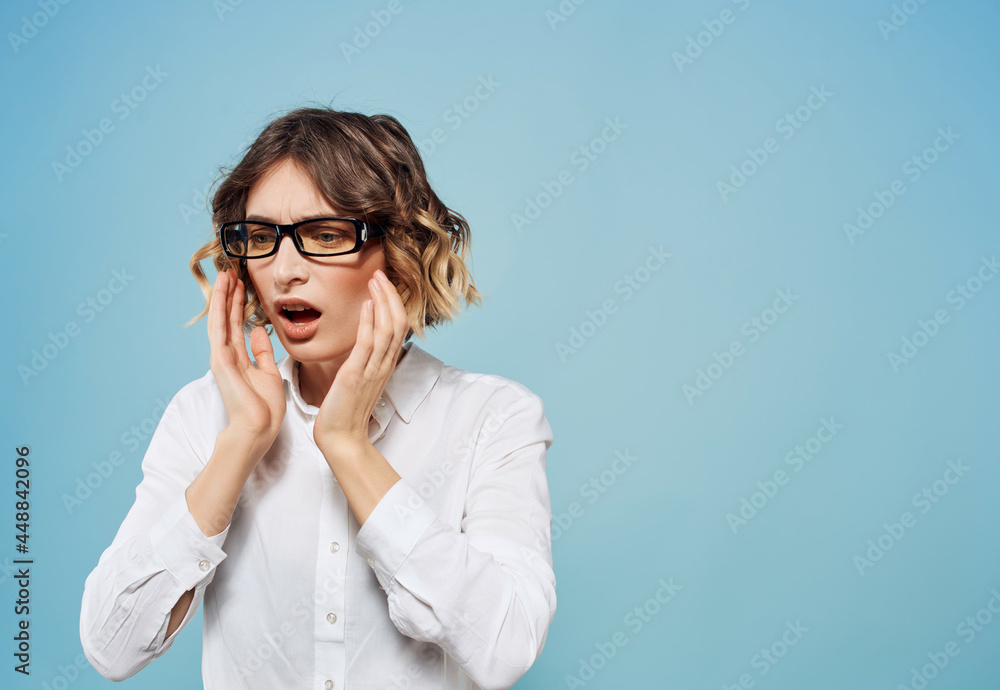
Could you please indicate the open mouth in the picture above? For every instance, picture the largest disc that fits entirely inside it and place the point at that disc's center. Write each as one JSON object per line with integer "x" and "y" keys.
{"x": 300, "y": 314}
{"x": 297, "y": 318}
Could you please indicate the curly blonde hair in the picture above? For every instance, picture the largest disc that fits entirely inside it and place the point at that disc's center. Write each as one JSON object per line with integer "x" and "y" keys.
{"x": 367, "y": 167}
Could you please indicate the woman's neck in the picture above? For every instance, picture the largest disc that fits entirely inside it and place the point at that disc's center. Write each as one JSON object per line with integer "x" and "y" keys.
{"x": 316, "y": 378}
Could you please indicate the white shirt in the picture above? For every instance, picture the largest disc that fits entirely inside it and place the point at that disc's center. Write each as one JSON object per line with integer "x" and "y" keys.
{"x": 448, "y": 584}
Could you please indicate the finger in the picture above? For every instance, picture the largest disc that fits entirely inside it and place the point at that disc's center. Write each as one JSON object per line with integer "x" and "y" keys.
{"x": 382, "y": 325}
{"x": 230, "y": 284}
{"x": 216, "y": 318}
{"x": 263, "y": 352}
{"x": 222, "y": 360}
{"x": 400, "y": 320}
{"x": 361, "y": 354}
{"x": 392, "y": 324}
{"x": 236, "y": 325}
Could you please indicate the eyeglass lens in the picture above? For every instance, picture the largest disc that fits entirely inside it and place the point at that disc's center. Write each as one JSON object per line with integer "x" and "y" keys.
{"x": 325, "y": 237}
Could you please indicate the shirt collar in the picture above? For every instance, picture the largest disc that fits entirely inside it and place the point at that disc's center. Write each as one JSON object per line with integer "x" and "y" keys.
{"x": 408, "y": 385}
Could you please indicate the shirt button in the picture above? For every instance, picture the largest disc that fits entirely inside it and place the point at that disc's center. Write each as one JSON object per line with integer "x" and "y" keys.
{"x": 331, "y": 617}
{"x": 328, "y": 685}
{"x": 204, "y": 564}
{"x": 371, "y": 561}
{"x": 381, "y": 402}
{"x": 334, "y": 547}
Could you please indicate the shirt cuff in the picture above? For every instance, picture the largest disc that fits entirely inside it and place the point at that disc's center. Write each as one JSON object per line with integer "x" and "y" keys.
{"x": 185, "y": 551}
{"x": 392, "y": 530}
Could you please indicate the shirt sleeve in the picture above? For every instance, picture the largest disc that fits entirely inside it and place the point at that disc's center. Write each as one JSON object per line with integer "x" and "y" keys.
{"x": 158, "y": 554}
{"x": 485, "y": 594}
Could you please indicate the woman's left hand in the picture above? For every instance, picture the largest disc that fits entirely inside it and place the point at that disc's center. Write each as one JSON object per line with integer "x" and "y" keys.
{"x": 344, "y": 414}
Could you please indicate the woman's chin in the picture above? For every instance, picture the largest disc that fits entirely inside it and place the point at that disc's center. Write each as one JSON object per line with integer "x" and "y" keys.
{"x": 315, "y": 350}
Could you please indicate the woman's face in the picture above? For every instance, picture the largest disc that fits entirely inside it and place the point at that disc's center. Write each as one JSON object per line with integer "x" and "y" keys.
{"x": 334, "y": 287}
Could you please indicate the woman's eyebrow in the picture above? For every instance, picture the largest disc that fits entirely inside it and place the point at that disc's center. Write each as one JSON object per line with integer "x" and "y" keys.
{"x": 315, "y": 214}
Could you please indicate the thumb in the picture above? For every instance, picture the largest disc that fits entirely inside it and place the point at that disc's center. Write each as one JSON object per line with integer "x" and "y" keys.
{"x": 263, "y": 353}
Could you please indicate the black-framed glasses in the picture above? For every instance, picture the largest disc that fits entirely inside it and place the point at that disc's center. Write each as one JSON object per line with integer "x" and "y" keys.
{"x": 244, "y": 239}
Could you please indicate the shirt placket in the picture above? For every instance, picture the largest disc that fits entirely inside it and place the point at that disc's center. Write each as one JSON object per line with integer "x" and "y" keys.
{"x": 330, "y": 577}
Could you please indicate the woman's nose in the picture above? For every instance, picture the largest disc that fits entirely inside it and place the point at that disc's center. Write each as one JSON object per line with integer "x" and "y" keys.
{"x": 288, "y": 263}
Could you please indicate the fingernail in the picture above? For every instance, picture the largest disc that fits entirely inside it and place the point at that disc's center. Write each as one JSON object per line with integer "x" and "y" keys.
{"x": 381, "y": 275}
{"x": 378, "y": 285}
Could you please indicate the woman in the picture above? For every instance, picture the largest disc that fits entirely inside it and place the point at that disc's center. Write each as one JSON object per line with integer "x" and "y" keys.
{"x": 358, "y": 514}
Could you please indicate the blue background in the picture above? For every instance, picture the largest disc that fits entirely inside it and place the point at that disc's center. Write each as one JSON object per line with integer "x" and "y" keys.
{"x": 133, "y": 205}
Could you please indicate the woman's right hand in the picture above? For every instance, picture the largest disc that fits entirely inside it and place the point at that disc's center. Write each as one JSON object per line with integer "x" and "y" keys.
{"x": 253, "y": 395}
